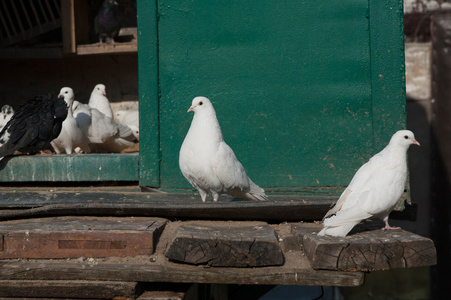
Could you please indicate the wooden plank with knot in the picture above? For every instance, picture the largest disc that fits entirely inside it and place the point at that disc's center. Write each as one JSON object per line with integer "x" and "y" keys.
{"x": 73, "y": 237}
{"x": 368, "y": 250}
{"x": 226, "y": 244}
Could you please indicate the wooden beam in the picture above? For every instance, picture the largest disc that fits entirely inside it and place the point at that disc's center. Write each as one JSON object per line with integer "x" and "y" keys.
{"x": 68, "y": 26}
{"x": 74, "y": 237}
{"x": 68, "y": 289}
{"x": 146, "y": 271}
{"x": 368, "y": 250}
{"x": 226, "y": 244}
{"x": 50, "y": 202}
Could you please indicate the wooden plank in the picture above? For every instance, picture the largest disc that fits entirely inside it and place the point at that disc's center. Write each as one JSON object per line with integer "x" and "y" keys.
{"x": 145, "y": 271}
{"x": 67, "y": 167}
{"x": 226, "y": 244}
{"x": 161, "y": 295}
{"x": 368, "y": 250}
{"x": 73, "y": 237}
{"x": 118, "y": 48}
{"x": 75, "y": 289}
{"x": 181, "y": 206}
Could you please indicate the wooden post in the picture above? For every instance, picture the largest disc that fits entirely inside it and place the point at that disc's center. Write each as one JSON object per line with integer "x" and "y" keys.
{"x": 68, "y": 26}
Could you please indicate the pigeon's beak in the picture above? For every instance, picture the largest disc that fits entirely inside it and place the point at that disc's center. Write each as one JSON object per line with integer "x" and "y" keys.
{"x": 416, "y": 142}
{"x": 191, "y": 108}
{"x": 104, "y": 92}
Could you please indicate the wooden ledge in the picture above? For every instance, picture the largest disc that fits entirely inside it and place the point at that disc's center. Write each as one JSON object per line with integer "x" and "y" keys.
{"x": 226, "y": 244}
{"x": 367, "y": 250}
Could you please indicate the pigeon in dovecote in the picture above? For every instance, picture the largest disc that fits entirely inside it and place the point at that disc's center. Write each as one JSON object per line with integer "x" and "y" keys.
{"x": 208, "y": 163}
{"x": 5, "y": 115}
{"x": 71, "y": 139}
{"x": 104, "y": 134}
{"x": 34, "y": 125}
{"x": 129, "y": 117}
{"x": 374, "y": 190}
{"x": 99, "y": 100}
{"x": 106, "y": 22}
{"x": 135, "y": 131}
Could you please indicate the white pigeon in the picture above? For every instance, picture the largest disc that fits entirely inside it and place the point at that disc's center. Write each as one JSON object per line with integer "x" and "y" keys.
{"x": 104, "y": 134}
{"x": 129, "y": 117}
{"x": 99, "y": 100}
{"x": 135, "y": 131}
{"x": 374, "y": 190}
{"x": 208, "y": 163}
{"x": 71, "y": 139}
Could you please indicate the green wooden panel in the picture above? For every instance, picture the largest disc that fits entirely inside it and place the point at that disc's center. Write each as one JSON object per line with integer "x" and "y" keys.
{"x": 148, "y": 93}
{"x": 88, "y": 167}
{"x": 291, "y": 84}
{"x": 387, "y": 69}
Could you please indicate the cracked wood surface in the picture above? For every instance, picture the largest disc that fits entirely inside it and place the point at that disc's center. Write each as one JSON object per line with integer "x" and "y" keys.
{"x": 367, "y": 250}
{"x": 226, "y": 244}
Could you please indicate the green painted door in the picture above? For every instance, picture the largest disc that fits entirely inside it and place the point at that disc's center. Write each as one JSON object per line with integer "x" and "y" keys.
{"x": 305, "y": 91}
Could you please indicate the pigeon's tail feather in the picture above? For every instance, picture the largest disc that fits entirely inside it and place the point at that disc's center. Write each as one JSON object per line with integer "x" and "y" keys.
{"x": 256, "y": 192}
{"x": 343, "y": 222}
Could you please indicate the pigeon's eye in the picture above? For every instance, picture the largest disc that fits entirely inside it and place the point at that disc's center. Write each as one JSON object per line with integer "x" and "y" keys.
{"x": 406, "y": 137}
{"x": 200, "y": 103}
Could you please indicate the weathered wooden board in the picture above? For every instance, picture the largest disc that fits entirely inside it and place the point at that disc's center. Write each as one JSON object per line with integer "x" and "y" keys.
{"x": 226, "y": 244}
{"x": 143, "y": 272}
{"x": 368, "y": 250}
{"x": 74, "y": 289}
{"x": 70, "y": 168}
{"x": 50, "y": 202}
{"x": 161, "y": 295}
{"x": 72, "y": 237}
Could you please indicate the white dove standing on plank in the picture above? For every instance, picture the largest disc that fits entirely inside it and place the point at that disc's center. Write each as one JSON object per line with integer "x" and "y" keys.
{"x": 374, "y": 190}
{"x": 208, "y": 163}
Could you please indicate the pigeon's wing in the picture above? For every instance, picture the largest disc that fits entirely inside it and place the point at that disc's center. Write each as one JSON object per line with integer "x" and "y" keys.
{"x": 375, "y": 164}
{"x": 103, "y": 128}
{"x": 228, "y": 169}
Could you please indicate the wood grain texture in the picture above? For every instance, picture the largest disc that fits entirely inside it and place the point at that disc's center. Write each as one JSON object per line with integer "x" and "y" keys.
{"x": 369, "y": 250}
{"x": 80, "y": 289}
{"x": 73, "y": 237}
{"x": 225, "y": 244}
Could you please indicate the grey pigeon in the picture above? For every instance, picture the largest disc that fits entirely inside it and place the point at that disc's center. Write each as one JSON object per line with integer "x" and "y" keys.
{"x": 374, "y": 190}
{"x": 106, "y": 22}
{"x": 208, "y": 163}
{"x": 34, "y": 124}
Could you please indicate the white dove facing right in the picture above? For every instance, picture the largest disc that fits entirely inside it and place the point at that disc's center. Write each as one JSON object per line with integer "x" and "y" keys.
{"x": 374, "y": 190}
{"x": 208, "y": 163}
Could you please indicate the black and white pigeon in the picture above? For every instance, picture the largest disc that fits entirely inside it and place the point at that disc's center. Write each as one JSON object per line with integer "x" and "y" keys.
{"x": 106, "y": 22}
{"x": 208, "y": 163}
{"x": 34, "y": 124}
{"x": 5, "y": 115}
{"x": 374, "y": 190}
